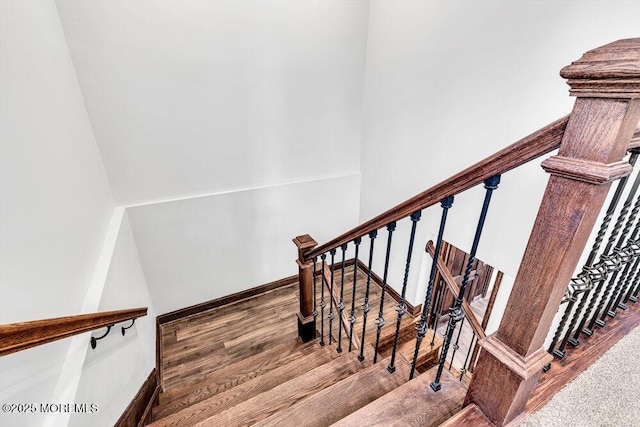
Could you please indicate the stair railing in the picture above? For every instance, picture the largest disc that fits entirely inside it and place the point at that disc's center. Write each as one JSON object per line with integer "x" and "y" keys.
{"x": 592, "y": 142}
{"x": 311, "y": 258}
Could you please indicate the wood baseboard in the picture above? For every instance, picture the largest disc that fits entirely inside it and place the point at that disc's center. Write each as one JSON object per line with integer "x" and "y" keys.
{"x": 138, "y": 413}
{"x": 218, "y": 302}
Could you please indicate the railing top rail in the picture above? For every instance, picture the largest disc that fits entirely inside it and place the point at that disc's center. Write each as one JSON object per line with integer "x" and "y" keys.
{"x": 23, "y": 335}
{"x": 529, "y": 148}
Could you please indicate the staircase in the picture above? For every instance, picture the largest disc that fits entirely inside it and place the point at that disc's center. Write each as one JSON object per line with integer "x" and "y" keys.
{"x": 243, "y": 364}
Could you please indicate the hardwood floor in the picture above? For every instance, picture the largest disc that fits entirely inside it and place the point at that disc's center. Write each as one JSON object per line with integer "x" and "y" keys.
{"x": 242, "y": 363}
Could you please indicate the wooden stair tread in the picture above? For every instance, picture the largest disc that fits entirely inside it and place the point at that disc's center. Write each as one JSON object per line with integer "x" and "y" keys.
{"x": 230, "y": 376}
{"x": 413, "y": 403}
{"x": 343, "y": 397}
{"x": 470, "y": 416}
{"x": 221, "y": 401}
{"x": 288, "y": 393}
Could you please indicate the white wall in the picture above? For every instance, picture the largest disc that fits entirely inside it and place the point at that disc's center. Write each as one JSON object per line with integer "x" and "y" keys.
{"x": 203, "y": 248}
{"x": 113, "y": 372}
{"x": 218, "y": 123}
{"x": 450, "y": 82}
{"x": 55, "y": 202}
{"x": 199, "y": 97}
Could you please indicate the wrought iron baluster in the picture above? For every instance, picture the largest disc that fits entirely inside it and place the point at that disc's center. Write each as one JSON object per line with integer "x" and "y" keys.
{"x": 456, "y": 345}
{"x": 315, "y": 287}
{"x": 456, "y": 313}
{"x": 352, "y": 316}
{"x": 463, "y": 370}
{"x": 616, "y": 257}
{"x": 343, "y": 248}
{"x": 331, "y": 314}
{"x": 323, "y": 282}
{"x": 608, "y": 263}
{"x": 402, "y": 306}
{"x": 581, "y": 286}
{"x": 624, "y": 258}
{"x": 628, "y": 254}
{"x": 437, "y": 312}
{"x": 380, "y": 320}
{"x": 422, "y": 326}
{"x": 636, "y": 279}
{"x": 366, "y": 307}
{"x": 625, "y": 279}
{"x": 632, "y": 274}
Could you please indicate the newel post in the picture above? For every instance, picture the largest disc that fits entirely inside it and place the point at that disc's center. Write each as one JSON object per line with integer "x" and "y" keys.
{"x": 606, "y": 82}
{"x": 306, "y": 318}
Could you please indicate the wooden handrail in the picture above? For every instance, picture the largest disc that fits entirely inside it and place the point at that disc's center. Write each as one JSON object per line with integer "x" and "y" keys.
{"x": 21, "y": 336}
{"x": 455, "y": 290}
{"x": 523, "y": 151}
{"x": 531, "y": 147}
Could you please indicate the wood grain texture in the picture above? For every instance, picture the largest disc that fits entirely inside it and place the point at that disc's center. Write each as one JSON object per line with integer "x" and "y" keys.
{"x": 246, "y": 391}
{"x": 228, "y": 299}
{"x": 412, "y": 404}
{"x": 470, "y": 416}
{"x": 21, "y": 336}
{"x": 138, "y": 412}
{"x": 599, "y": 131}
{"x": 286, "y": 394}
{"x": 455, "y": 290}
{"x": 610, "y": 71}
{"x": 342, "y": 398}
{"x": 231, "y": 376}
{"x": 531, "y": 147}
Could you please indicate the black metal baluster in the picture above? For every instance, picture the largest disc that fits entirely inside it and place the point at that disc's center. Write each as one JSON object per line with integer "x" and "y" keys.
{"x": 456, "y": 345}
{"x": 402, "y": 306}
{"x": 634, "y": 296}
{"x": 633, "y": 273}
{"x": 616, "y": 256}
{"x": 627, "y": 254}
{"x": 633, "y": 251}
{"x": 422, "y": 326}
{"x": 608, "y": 263}
{"x": 343, "y": 248}
{"x": 366, "y": 307}
{"x": 331, "y": 314}
{"x": 455, "y": 312}
{"x": 380, "y": 320}
{"x": 625, "y": 258}
{"x": 352, "y": 316}
{"x": 466, "y": 359}
{"x": 590, "y": 274}
{"x": 315, "y": 287}
{"x": 439, "y": 303}
{"x": 323, "y": 282}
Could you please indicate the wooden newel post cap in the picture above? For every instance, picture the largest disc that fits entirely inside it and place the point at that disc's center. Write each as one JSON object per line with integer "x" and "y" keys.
{"x": 304, "y": 244}
{"x": 609, "y": 71}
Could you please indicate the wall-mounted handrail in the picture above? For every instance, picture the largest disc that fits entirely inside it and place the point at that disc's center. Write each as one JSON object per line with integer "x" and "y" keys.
{"x": 531, "y": 147}
{"x": 23, "y": 335}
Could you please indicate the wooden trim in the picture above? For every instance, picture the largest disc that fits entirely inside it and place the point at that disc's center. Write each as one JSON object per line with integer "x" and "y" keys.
{"x": 21, "y": 336}
{"x": 138, "y": 413}
{"x": 492, "y": 299}
{"x": 413, "y": 311}
{"x": 531, "y": 147}
{"x": 228, "y": 299}
{"x": 455, "y": 290}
